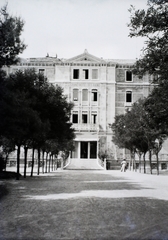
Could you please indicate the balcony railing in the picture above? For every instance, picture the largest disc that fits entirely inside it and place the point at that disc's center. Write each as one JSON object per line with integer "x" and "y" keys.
{"x": 90, "y": 127}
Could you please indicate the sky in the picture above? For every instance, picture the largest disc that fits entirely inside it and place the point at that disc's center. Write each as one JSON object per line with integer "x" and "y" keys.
{"x": 67, "y": 27}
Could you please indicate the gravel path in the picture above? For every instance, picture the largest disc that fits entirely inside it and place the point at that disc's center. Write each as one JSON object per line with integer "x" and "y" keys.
{"x": 85, "y": 205}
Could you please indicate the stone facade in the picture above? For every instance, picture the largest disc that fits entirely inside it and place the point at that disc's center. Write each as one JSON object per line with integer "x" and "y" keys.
{"x": 100, "y": 89}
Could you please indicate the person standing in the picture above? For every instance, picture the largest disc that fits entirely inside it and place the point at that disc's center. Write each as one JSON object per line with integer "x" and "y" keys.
{"x": 123, "y": 165}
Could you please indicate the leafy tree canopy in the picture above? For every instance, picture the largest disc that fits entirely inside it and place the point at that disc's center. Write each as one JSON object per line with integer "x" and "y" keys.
{"x": 136, "y": 130}
{"x": 151, "y": 23}
{"x": 32, "y": 110}
{"x": 10, "y": 43}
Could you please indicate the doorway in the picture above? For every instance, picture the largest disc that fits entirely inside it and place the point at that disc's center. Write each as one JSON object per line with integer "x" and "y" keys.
{"x": 84, "y": 150}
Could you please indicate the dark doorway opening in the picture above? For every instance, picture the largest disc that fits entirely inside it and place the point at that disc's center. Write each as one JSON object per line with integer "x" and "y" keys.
{"x": 93, "y": 149}
{"x": 84, "y": 149}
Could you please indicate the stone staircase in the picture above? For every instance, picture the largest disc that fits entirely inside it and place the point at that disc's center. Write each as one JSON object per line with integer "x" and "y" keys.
{"x": 83, "y": 164}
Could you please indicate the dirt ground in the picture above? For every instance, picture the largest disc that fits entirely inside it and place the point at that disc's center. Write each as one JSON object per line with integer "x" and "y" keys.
{"x": 84, "y": 205}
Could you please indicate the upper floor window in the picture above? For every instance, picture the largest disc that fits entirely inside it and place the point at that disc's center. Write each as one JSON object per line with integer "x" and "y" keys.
{"x": 74, "y": 118}
{"x": 41, "y": 71}
{"x": 84, "y": 118}
{"x": 94, "y": 118}
{"x": 94, "y": 95}
{"x": 75, "y": 94}
{"x": 128, "y": 76}
{"x": 128, "y": 96}
{"x": 85, "y": 95}
{"x": 85, "y": 74}
{"x": 94, "y": 73}
{"x": 75, "y": 73}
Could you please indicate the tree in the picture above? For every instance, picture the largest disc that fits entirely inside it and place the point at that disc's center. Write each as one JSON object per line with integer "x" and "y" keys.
{"x": 10, "y": 42}
{"x": 19, "y": 119}
{"x": 157, "y": 107}
{"x": 34, "y": 112}
{"x": 137, "y": 131}
{"x": 152, "y": 25}
{"x": 7, "y": 146}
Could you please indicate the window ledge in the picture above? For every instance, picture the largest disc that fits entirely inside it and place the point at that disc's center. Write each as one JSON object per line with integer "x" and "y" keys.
{"x": 128, "y": 104}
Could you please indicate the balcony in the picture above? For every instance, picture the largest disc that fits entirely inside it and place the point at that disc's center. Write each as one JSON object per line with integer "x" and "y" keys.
{"x": 86, "y": 127}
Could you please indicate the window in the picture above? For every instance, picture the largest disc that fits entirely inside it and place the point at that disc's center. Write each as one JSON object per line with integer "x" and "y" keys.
{"x": 84, "y": 95}
{"x": 75, "y": 94}
{"x": 94, "y": 118}
{"x": 94, "y": 73}
{"x": 163, "y": 166}
{"x": 41, "y": 71}
{"x": 128, "y": 96}
{"x": 94, "y": 95}
{"x": 76, "y": 74}
{"x": 84, "y": 118}
{"x": 85, "y": 74}
{"x": 154, "y": 165}
{"x": 128, "y": 76}
{"x": 75, "y": 118}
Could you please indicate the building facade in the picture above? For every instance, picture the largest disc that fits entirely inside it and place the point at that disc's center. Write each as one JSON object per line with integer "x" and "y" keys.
{"x": 100, "y": 89}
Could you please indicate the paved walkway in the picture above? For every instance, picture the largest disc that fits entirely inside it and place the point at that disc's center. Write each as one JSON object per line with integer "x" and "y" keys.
{"x": 85, "y": 205}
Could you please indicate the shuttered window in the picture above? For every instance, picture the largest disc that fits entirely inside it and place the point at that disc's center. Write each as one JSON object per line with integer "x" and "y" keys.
{"x": 84, "y": 118}
{"x": 94, "y": 95}
{"x": 85, "y": 74}
{"x": 94, "y": 73}
{"x": 75, "y": 94}
{"x": 85, "y": 95}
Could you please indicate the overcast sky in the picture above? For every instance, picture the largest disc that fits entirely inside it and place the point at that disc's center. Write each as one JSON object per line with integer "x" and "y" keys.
{"x": 68, "y": 27}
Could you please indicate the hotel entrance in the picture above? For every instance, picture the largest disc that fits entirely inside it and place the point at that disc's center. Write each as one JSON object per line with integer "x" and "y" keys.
{"x": 88, "y": 150}
{"x": 85, "y": 150}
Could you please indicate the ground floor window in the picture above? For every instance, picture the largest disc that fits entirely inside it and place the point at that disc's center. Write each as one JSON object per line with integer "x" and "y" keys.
{"x": 163, "y": 166}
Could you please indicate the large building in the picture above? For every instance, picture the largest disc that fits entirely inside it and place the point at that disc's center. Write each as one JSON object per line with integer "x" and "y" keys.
{"x": 100, "y": 89}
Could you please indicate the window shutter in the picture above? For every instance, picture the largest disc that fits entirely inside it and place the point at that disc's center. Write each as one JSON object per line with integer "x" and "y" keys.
{"x": 94, "y": 73}
{"x": 75, "y": 94}
{"x": 84, "y": 95}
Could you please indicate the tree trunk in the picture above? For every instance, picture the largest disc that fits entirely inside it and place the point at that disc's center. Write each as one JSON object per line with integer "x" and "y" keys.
{"x": 140, "y": 162}
{"x": 32, "y": 167}
{"x": 52, "y": 162}
{"x": 157, "y": 160}
{"x": 49, "y": 163}
{"x": 130, "y": 161}
{"x": 25, "y": 160}
{"x": 43, "y": 161}
{"x": 55, "y": 163}
{"x": 46, "y": 162}
{"x": 144, "y": 162}
{"x": 150, "y": 161}
{"x": 38, "y": 163}
{"x": 18, "y": 163}
{"x": 134, "y": 163}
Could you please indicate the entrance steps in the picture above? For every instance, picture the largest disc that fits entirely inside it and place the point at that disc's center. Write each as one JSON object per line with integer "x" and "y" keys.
{"x": 83, "y": 164}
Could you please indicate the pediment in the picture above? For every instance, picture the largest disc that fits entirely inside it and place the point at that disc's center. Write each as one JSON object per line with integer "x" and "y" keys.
{"x": 85, "y": 58}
